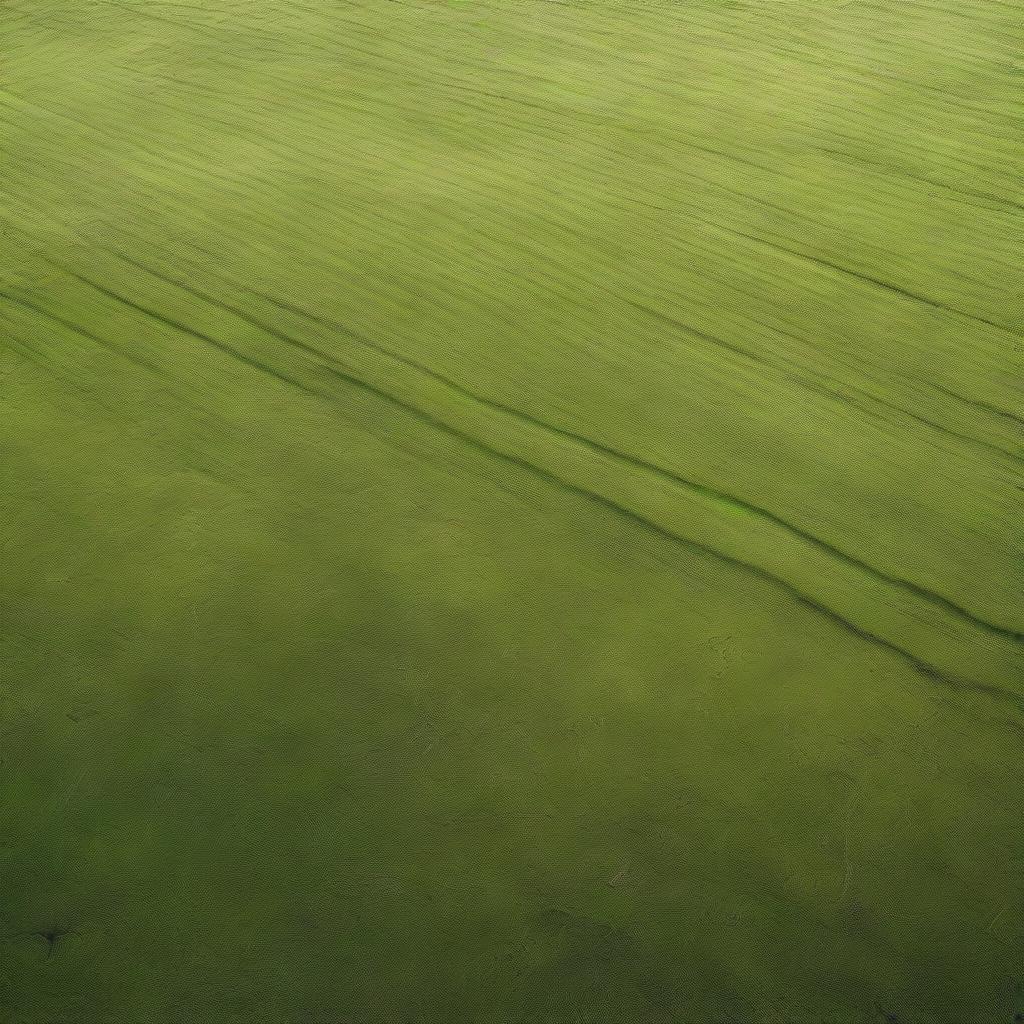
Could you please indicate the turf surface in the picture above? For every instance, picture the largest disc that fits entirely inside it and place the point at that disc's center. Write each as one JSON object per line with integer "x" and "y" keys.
{"x": 512, "y": 511}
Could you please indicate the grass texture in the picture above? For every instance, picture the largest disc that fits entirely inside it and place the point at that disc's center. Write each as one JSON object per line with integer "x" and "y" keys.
{"x": 512, "y": 512}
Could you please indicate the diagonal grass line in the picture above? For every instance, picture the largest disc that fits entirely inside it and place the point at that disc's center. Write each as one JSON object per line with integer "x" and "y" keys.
{"x": 341, "y": 372}
{"x": 713, "y": 494}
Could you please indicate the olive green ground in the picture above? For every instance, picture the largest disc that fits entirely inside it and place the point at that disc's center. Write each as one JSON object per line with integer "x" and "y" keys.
{"x": 512, "y": 512}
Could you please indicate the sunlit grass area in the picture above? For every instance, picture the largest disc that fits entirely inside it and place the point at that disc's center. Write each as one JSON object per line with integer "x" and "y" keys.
{"x": 512, "y": 512}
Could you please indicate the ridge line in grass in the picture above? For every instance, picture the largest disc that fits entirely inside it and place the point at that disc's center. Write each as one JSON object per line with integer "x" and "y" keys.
{"x": 706, "y": 491}
{"x": 342, "y": 372}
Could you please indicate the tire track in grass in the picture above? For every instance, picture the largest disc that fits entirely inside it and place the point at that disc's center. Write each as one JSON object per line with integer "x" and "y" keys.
{"x": 879, "y": 282}
{"x": 789, "y": 369}
{"x": 25, "y": 303}
{"x": 177, "y": 325}
{"x": 725, "y": 498}
{"x": 797, "y": 376}
{"x": 341, "y": 371}
{"x": 983, "y": 406}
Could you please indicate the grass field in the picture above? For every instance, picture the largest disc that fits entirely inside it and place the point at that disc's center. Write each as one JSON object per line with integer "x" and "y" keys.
{"x": 512, "y": 511}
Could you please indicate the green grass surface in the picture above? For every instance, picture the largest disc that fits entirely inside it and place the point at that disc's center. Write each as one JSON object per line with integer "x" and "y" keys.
{"x": 512, "y": 512}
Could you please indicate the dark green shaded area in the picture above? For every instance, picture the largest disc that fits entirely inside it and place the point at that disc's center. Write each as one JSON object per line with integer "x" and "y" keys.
{"x": 512, "y": 512}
